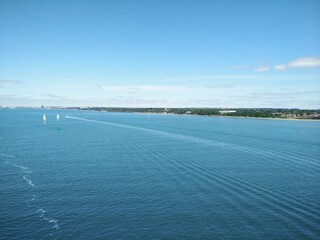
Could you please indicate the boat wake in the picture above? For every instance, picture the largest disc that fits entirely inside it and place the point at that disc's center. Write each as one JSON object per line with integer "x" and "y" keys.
{"x": 33, "y": 199}
{"x": 42, "y": 215}
{"x": 28, "y": 181}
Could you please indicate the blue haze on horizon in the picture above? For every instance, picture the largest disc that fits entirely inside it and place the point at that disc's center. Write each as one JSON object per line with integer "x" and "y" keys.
{"x": 160, "y": 53}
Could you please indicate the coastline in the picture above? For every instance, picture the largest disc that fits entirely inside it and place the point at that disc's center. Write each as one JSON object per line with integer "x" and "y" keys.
{"x": 127, "y": 110}
{"x": 222, "y": 116}
{"x": 241, "y": 117}
{"x": 285, "y": 119}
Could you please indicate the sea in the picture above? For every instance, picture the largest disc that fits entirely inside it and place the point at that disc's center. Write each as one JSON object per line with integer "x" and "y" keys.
{"x": 103, "y": 175}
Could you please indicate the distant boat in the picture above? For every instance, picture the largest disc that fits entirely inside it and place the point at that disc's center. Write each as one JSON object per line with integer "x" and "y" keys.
{"x": 44, "y": 118}
{"x": 58, "y": 117}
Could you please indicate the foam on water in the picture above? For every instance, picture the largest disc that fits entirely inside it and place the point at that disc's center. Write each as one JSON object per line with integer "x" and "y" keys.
{"x": 41, "y": 211}
{"x": 21, "y": 167}
{"x": 28, "y": 181}
{"x": 31, "y": 203}
{"x": 42, "y": 215}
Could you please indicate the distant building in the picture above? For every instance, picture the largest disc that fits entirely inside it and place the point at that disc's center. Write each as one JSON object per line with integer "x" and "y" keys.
{"x": 227, "y": 111}
{"x": 188, "y": 112}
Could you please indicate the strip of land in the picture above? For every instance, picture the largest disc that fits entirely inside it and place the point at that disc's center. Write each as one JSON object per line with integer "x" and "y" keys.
{"x": 269, "y": 113}
{"x": 305, "y": 114}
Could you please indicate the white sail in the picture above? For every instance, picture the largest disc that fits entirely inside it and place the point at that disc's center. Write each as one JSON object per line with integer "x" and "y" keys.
{"x": 58, "y": 117}
{"x": 44, "y": 117}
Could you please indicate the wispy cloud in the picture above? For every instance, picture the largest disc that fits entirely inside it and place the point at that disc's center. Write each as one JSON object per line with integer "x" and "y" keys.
{"x": 205, "y": 79}
{"x": 262, "y": 68}
{"x": 14, "y": 82}
{"x": 221, "y": 86}
{"x": 306, "y": 62}
{"x": 242, "y": 66}
{"x": 163, "y": 88}
{"x": 7, "y": 96}
{"x": 54, "y": 96}
{"x": 193, "y": 97}
{"x": 65, "y": 80}
{"x": 280, "y": 67}
{"x": 211, "y": 77}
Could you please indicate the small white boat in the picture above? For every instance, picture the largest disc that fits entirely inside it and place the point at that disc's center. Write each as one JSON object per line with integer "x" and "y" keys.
{"x": 44, "y": 118}
{"x": 58, "y": 117}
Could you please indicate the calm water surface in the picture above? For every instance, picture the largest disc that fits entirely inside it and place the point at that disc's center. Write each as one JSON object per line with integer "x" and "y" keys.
{"x": 132, "y": 176}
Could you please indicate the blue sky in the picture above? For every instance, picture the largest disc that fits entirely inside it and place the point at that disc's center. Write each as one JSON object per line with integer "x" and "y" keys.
{"x": 160, "y": 53}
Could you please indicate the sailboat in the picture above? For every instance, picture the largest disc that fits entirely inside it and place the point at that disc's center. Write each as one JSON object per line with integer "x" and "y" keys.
{"x": 58, "y": 117}
{"x": 44, "y": 118}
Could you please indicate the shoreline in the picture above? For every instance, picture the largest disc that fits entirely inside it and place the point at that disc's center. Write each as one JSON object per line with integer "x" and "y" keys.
{"x": 242, "y": 117}
{"x": 172, "y": 113}
{"x": 283, "y": 119}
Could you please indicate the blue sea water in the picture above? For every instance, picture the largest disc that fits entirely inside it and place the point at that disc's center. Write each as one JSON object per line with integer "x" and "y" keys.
{"x": 96, "y": 175}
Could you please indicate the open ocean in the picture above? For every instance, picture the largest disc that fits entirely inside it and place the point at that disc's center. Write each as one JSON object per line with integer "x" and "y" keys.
{"x": 95, "y": 175}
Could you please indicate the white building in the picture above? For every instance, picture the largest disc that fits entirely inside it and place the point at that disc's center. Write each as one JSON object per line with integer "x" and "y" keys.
{"x": 227, "y": 111}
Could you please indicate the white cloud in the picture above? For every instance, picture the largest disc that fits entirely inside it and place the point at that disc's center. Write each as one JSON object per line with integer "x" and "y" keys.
{"x": 306, "y": 62}
{"x": 205, "y": 79}
{"x": 262, "y": 68}
{"x": 143, "y": 88}
{"x": 243, "y": 66}
{"x": 280, "y": 67}
{"x": 195, "y": 96}
{"x": 162, "y": 89}
{"x": 211, "y": 77}
{"x": 15, "y": 82}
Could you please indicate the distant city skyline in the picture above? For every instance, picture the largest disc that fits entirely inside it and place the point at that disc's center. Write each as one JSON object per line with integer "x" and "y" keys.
{"x": 227, "y": 54}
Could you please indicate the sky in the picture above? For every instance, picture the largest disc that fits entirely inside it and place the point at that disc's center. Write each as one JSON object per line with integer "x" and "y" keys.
{"x": 160, "y": 53}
